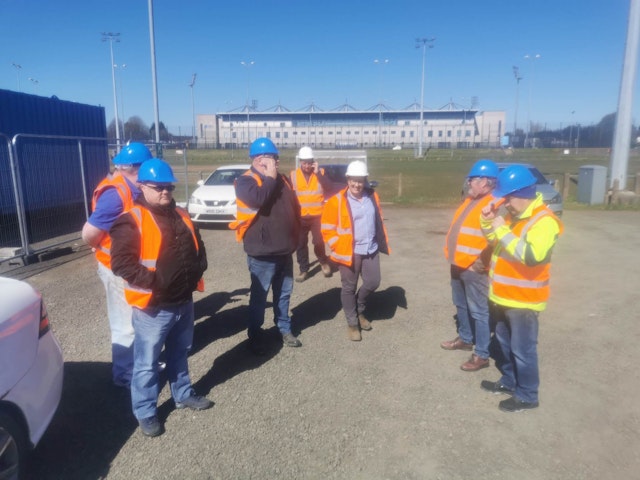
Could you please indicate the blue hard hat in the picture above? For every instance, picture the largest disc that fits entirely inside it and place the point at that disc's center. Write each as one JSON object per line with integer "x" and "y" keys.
{"x": 156, "y": 171}
{"x": 262, "y": 146}
{"x": 484, "y": 168}
{"x": 513, "y": 179}
{"x": 132, "y": 154}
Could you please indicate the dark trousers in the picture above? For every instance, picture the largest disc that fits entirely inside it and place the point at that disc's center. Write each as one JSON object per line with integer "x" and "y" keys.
{"x": 310, "y": 224}
{"x": 367, "y": 266}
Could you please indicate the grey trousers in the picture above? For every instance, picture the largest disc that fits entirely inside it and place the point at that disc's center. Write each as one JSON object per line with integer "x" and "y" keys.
{"x": 367, "y": 266}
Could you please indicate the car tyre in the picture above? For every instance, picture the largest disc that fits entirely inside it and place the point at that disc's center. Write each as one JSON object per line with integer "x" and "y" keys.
{"x": 13, "y": 448}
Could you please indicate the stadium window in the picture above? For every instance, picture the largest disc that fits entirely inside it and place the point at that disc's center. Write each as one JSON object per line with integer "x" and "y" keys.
{"x": 295, "y": 133}
{"x": 233, "y": 135}
{"x": 329, "y": 133}
{"x": 429, "y": 134}
{"x": 402, "y": 134}
{"x": 448, "y": 133}
{"x": 301, "y": 133}
{"x": 393, "y": 132}
{"x": 407, "y": 123}
{"x": 467, "y": 133}
{"x": 356, "y": 132}
{"x": 286, "y": 134}
{"x": 458, "y": 133}
{"x": 348, "y": 132}
{"x": 281, "y": 124}
{"x": 264, "y": 124}
{"x": 277, "y": 134}
{"x": 366, "y": 132}
{"x": 412, "y": 134}
{"x": 440, "y": 133}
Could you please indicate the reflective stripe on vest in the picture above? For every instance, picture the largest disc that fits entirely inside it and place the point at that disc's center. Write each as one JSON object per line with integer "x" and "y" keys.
{"x": 150, "y": 243}
{"x": 245, "y": 214}
{"x": 514, "y": 281}
{"x": 465, "y": 241}
{"x": 120, "y": 185}
{"x": 310, "y": 194}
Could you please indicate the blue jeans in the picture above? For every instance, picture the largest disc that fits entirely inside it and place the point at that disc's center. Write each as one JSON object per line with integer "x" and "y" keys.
{"x": 517, "y": 333}
{"x": 275, "y": 271}
{"x": 155, "y": 327}
{"x": 469, "y": 290}
{"x": 119, "y": 313}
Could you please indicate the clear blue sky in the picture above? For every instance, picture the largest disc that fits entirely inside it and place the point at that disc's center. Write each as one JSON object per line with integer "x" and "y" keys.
{"x": 322, "y": 52}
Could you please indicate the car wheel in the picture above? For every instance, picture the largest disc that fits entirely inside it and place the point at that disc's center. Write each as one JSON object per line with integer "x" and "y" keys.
{"x": 13, "y": 448}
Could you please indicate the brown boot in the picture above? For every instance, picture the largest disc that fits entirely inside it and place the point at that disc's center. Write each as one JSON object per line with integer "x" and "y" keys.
{"x": 365, "y": 324}
{"x": 326, "y": 269}
{"x": 475, "y": 363}
{"x": 456, "y": 344}
{"x": 354, "y": 333}
{"x": 302, "y": 277}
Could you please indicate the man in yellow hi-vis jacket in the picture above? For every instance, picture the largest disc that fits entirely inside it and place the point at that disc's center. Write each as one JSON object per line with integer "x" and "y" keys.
{"x": 519, "y": 282}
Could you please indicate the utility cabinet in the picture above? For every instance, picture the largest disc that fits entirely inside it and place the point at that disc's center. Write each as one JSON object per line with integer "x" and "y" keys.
{"x": 592, "y": 184}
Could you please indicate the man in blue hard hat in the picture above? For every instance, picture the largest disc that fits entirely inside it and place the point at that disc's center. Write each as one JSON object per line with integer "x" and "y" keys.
{"x": 268, "y": 223}
{"x": 113, "y": 196}
{"x": 159, "y": 253}
{"x": 519, "y": 282}
{"x": 468, "y": 252}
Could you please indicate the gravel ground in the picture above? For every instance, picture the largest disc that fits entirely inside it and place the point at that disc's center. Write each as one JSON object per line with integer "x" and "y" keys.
{"x": 394, "y": 406}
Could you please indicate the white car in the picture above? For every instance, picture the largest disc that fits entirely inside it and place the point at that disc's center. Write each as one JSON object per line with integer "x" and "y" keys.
{"x": 31, "y": 370}
{"x": 215, "y": 198}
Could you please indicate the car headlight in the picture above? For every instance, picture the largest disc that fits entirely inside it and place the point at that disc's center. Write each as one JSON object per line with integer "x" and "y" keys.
{"x": 556, "y": 199}
{"x": 196, "y": 200}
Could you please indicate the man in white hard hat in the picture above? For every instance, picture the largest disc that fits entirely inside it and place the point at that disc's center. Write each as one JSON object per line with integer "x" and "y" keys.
{"x": 352, "y": 227}
{"x": 310, "y": 183}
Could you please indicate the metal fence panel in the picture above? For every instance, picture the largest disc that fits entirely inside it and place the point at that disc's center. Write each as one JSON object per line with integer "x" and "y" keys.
{"x": 10, "y": 241}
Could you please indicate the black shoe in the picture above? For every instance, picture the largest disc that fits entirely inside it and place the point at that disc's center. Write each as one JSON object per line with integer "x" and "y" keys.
{"x": 495, "y": 387}
{"x": 257, "y": 346}
{"x": 151, "y": 426}
{"x": 290, "y": 341}
{"x": 195, "y": 402}
{"x": 514, "y": 405}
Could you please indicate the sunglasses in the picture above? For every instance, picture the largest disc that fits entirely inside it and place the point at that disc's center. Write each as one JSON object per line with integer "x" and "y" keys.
{"x": 161, "y": 188}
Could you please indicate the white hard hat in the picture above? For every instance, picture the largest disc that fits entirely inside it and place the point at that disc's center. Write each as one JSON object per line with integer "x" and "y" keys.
{"x": 357, "y": 168}
{"x": 305, "y": 153}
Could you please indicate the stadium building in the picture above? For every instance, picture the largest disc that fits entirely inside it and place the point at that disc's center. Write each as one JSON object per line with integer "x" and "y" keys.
{"x": 347, "y": 127}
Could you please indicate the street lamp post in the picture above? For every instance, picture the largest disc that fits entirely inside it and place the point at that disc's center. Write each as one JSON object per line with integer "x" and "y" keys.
{"x": 18, "y": 68}
{"x": 424, "y": 43}
{"x": 382, "y": 63}
{"x": 516, "y": 74}
{"x": 35, "y": 83}
{"x": 193, "y": 110}
{"x": 248, "y": 66}
{"x": 571, "y": 128}
{"x": 533, "y": 59}
{"x": 121, "y": 67}
{"x": 113, "y": 37}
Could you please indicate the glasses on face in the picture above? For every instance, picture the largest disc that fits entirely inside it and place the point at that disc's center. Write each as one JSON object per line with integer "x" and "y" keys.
{"x": 471, "y": 179}
{"x": 270, "y": 155}
{"x": 160, "y": 188}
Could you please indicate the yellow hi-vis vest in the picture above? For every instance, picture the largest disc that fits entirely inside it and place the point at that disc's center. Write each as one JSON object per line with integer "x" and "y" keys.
{"x": 310, "y": 194}
{"x": 150, "y": 243}
{"x": 513, "y": 283}
{"x": 119, "y": 183}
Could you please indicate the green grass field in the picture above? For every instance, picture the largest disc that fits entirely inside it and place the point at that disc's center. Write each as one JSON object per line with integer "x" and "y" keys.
{"x": 436, "y": 179}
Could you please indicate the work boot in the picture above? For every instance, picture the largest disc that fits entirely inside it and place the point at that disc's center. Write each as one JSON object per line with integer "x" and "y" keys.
{"x": 150, "y": 427}
{"x": 354, "y": 333}
{"x": 365, "y": 324}
{"x": 290, "y": 341}
{"x": 326, "y": 269}
{"x": 513, "y": 405}
{"x": 195, "y": 402}
{"x": 456, "y": 344}
{"x": 302, "y": 277}
{"x": 475, "y": 363}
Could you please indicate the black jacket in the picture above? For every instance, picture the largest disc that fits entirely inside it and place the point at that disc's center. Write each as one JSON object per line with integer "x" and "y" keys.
{"x": 179, "y": 265}
{"x": 276, "y": 228}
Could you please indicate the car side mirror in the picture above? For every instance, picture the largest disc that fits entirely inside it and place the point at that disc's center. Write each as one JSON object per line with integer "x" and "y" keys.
{"x": 200, "y": 183}
{"x": 373, "y": 183}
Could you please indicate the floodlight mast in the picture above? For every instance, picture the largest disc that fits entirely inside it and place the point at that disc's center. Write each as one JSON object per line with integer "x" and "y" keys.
{"x": 424, "y": 43}
{"x": 516, "y": 74}
{"x": 113, "y": 37}
{"x": 193, "y": 110}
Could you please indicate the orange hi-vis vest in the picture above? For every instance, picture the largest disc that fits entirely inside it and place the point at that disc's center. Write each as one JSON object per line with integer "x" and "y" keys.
{"x": 465, "y": 241}
{"x": 119, "y": 183}
{"x": 245, "y": 214}
{"x": 519, "y": 284}
{"x": 337, "y": 229}
{"x": 310, "y": 194}
{"x": 150, "y": 244}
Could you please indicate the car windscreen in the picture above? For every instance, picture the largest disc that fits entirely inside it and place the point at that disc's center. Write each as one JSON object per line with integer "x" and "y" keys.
{"x": 223, "y": 177}
{"x": 336, "y": 173}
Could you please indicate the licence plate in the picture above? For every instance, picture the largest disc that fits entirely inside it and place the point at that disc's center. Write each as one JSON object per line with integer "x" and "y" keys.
{"x": 215, "y": 210}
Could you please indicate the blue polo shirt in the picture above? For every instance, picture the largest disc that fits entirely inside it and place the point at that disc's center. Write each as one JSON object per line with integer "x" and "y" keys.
{"x": 109, "y": 207}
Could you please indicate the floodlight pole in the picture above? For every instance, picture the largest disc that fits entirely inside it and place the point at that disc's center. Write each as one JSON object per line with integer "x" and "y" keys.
{"x": 18, "y": 68}
{"x": 382, "y": 63}
{"x": 533, "y": 59}
{"x": 193, "y": 111}
{"x": 152, "y": 42}
{"x": 516, "y": 74}
{"x": 248, "y": 66}
{"x": 424, "y": 43}
{"x": 113, "y": 37}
